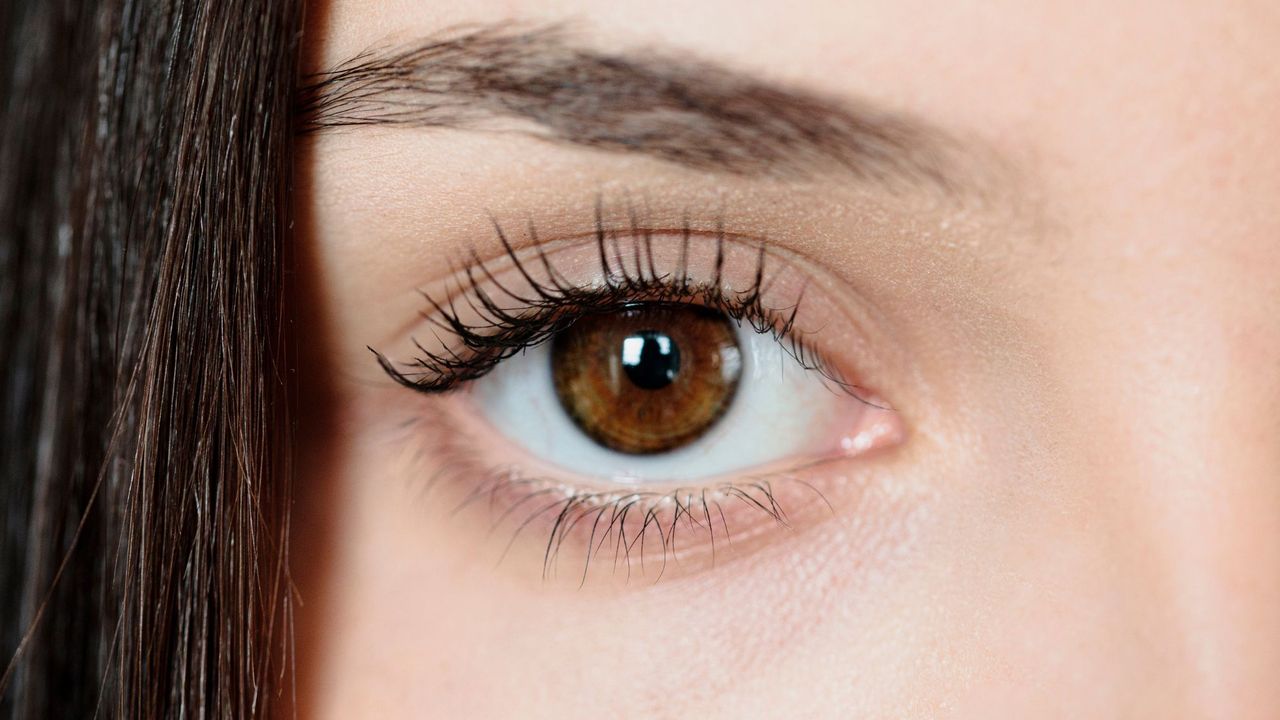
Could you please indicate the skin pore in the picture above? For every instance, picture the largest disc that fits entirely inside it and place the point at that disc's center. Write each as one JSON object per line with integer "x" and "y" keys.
{"x": 1045, "y": 235}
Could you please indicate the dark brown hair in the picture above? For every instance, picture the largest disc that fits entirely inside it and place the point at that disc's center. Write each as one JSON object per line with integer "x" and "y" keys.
{"x": 144, "y": 155}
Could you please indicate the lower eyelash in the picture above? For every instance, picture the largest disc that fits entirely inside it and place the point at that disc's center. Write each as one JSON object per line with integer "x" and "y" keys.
{"x": 633, "y": 531}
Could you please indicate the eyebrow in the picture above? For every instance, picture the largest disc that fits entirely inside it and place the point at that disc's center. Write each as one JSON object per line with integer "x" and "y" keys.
{"x": 679, "y": 109}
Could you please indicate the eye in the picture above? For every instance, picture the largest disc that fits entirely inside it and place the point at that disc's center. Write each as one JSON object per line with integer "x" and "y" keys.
{"x": 656, "y": 393}
{"x": 644, "y": 392}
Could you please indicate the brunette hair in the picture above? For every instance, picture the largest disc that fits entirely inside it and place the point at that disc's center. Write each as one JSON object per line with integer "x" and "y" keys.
{"x": 144, "y": 163}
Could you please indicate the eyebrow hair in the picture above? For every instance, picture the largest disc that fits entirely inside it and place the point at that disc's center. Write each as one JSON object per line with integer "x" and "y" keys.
{"x": 682, "y": 110}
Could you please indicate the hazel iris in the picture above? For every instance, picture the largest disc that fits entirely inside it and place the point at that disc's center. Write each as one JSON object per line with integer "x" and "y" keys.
{"x": 649, "y": 378}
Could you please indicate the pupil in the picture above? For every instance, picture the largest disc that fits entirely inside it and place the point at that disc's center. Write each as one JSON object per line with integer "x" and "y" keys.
{"x": 651, "y": 359}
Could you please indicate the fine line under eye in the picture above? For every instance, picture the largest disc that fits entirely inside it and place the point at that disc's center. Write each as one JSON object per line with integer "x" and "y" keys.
{"x": 491, "y": 311}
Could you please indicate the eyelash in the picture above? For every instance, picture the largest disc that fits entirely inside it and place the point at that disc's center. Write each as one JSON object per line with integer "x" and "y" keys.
{"x": 552, "y": 305}
{"x": 482, "y": 332}
{"x": 623, "y": 522}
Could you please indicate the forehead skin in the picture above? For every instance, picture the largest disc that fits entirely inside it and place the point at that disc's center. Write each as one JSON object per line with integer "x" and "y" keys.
{"x": 1124, "y": 559}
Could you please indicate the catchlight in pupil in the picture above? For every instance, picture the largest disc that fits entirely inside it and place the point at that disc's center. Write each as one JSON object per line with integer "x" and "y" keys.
{"x": 651, "y": 359}
{"x": 648, "y": 379}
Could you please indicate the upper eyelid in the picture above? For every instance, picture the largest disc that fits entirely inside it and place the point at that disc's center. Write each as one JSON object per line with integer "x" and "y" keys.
{"x": 543, "y": 296}
{"x": 632, "y": 273}
{"x": 450, "y": 284}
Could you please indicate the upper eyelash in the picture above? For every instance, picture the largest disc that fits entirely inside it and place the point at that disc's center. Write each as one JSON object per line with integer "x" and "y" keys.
{"x": 551, "y": 306}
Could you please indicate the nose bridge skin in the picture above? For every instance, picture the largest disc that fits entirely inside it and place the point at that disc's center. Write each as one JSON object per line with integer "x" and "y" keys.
{"x": 1214, "y": 541}
{"x": 1221, "y": 533}
{"x": 1205, "y": 484}
{"x": 1178, "y": 465}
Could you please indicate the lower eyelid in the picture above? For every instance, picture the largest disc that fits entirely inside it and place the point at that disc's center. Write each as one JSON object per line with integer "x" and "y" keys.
{"x": 556, "y": 529}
